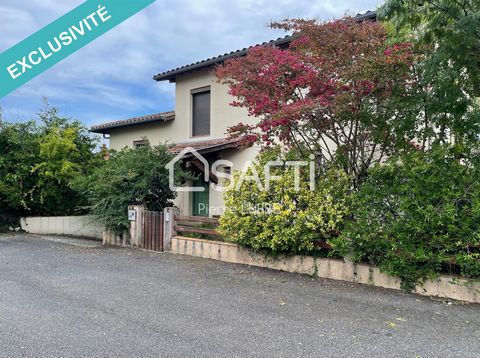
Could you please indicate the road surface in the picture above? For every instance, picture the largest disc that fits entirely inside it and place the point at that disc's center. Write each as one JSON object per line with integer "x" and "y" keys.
{"x": 75, "y": 298}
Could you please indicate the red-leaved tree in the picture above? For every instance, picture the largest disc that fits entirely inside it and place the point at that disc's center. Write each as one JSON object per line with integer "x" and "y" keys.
{"x": 333, "y": 93}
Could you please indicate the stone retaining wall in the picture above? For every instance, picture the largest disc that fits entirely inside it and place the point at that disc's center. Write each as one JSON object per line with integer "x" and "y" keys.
{"x": 445, "y": 286}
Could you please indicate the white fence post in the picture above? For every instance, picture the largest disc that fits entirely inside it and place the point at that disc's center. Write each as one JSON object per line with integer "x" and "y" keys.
{"x": 136, "y": 234}
{"x": 168, "y": 227}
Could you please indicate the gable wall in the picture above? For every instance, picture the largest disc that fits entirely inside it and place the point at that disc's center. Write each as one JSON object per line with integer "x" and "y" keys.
{"x": 223, "y": 115}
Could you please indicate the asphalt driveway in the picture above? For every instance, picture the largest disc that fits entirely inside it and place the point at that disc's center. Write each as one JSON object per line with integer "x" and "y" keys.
{"x": 75, "y": 298}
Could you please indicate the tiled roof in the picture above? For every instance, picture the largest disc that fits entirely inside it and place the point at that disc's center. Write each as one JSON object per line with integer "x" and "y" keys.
{"x": 207, "y": 145}
{"x": 171, "y": 74}
{"x": 369, "y": 15}
{"x": 280, "y": 42}
{"x": 158, "y": 117}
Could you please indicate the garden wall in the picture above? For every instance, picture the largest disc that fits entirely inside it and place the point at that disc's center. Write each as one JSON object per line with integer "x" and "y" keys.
{"x": 83, "y": 226}
{"x": 322, "y": 267}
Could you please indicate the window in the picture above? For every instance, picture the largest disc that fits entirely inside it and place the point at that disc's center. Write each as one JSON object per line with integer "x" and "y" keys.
{"x": 227, "y": 181}
{"x": 201, "y": 112}
{"x": 140, "y": 143}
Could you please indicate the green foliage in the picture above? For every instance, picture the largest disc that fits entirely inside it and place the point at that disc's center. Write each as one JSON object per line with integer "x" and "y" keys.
{"x": 417, "y": 215}
{"x": 338, "y": 91}
{"x": 452, "y": 27}
{"x": 61, "y": 164}
{"x": 283, "y": 219}
{"x": 18, "y": 154}
{"x": 131, "y": 176}
{"x": 40, "y": 161}
{"x": 447, "y": 33}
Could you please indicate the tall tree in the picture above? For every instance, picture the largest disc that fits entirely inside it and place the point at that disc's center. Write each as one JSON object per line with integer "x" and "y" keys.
{"x": 18, "y": 154}
{"x": 448, "y": 34}
{"x": 40, "y": 163}
{"x": 334, "y": 93}
{"x": 451, "y": 26}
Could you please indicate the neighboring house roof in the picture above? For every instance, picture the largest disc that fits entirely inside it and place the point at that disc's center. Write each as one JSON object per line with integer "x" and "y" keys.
{"x": 369, "y": 15}
{"x": 158, "y": 117}
{"x": 208, "y": 146}
{"x": 283, "y": 42}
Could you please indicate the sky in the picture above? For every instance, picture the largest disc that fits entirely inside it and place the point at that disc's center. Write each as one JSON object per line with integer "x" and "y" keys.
{"x": 111, "y": 78}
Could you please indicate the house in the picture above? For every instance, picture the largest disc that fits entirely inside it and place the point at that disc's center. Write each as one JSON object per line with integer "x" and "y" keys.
{"x": 200, "y": 121}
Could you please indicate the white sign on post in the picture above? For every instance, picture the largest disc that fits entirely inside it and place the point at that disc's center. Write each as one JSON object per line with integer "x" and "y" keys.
{"x": 132, "y": 215}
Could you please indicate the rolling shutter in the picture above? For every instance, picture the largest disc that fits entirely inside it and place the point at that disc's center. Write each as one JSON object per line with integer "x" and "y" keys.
{"x": 201, "y": 113}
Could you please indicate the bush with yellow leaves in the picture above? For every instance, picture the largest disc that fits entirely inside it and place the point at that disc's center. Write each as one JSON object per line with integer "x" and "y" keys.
{"x": 286, "y": 218}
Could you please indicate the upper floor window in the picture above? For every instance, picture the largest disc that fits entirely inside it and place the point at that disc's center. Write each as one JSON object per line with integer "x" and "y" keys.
{"x": 140, "y": 143}
{"x": 201, "y": 112}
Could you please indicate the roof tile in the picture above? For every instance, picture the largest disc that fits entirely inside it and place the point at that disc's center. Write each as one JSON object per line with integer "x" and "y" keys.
{"x": 158, "y": 117}
{"x": 207, "y": 145}
{"x": 171, "y": 74}
{"x": 280, "y": 42}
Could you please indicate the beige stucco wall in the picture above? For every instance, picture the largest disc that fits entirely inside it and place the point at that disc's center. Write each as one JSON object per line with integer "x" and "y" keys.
{"x": 157, "y": 133}
{"x": 84, "y": 226}
{"x": 223, "y": 115}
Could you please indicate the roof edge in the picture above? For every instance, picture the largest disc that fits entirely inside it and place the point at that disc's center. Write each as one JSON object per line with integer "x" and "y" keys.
{"x": 171, "y": 74}
{"x": 152, "y": 118}
{"x": 282, "y": 42}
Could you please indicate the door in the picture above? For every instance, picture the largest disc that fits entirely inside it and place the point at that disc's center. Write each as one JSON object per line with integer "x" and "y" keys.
{"x": 201, "y": 199}
{"x": 152, "y": 231}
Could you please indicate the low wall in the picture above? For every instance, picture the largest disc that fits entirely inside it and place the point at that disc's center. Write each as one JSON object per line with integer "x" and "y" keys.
{"x": 111, "y": 239}
{"x": 445, "y": 286}
{"x": 83, "y": 226}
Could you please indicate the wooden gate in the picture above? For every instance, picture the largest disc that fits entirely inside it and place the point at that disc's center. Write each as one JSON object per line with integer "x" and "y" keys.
{"x": 152, "y": 231}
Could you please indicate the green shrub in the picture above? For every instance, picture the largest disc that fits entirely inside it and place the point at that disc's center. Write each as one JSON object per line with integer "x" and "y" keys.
{"x": 283, "y": 219}
{"x": 40, "y": 162}
{"x": 416, "y": 216}
{"x": 131, "y": 176}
